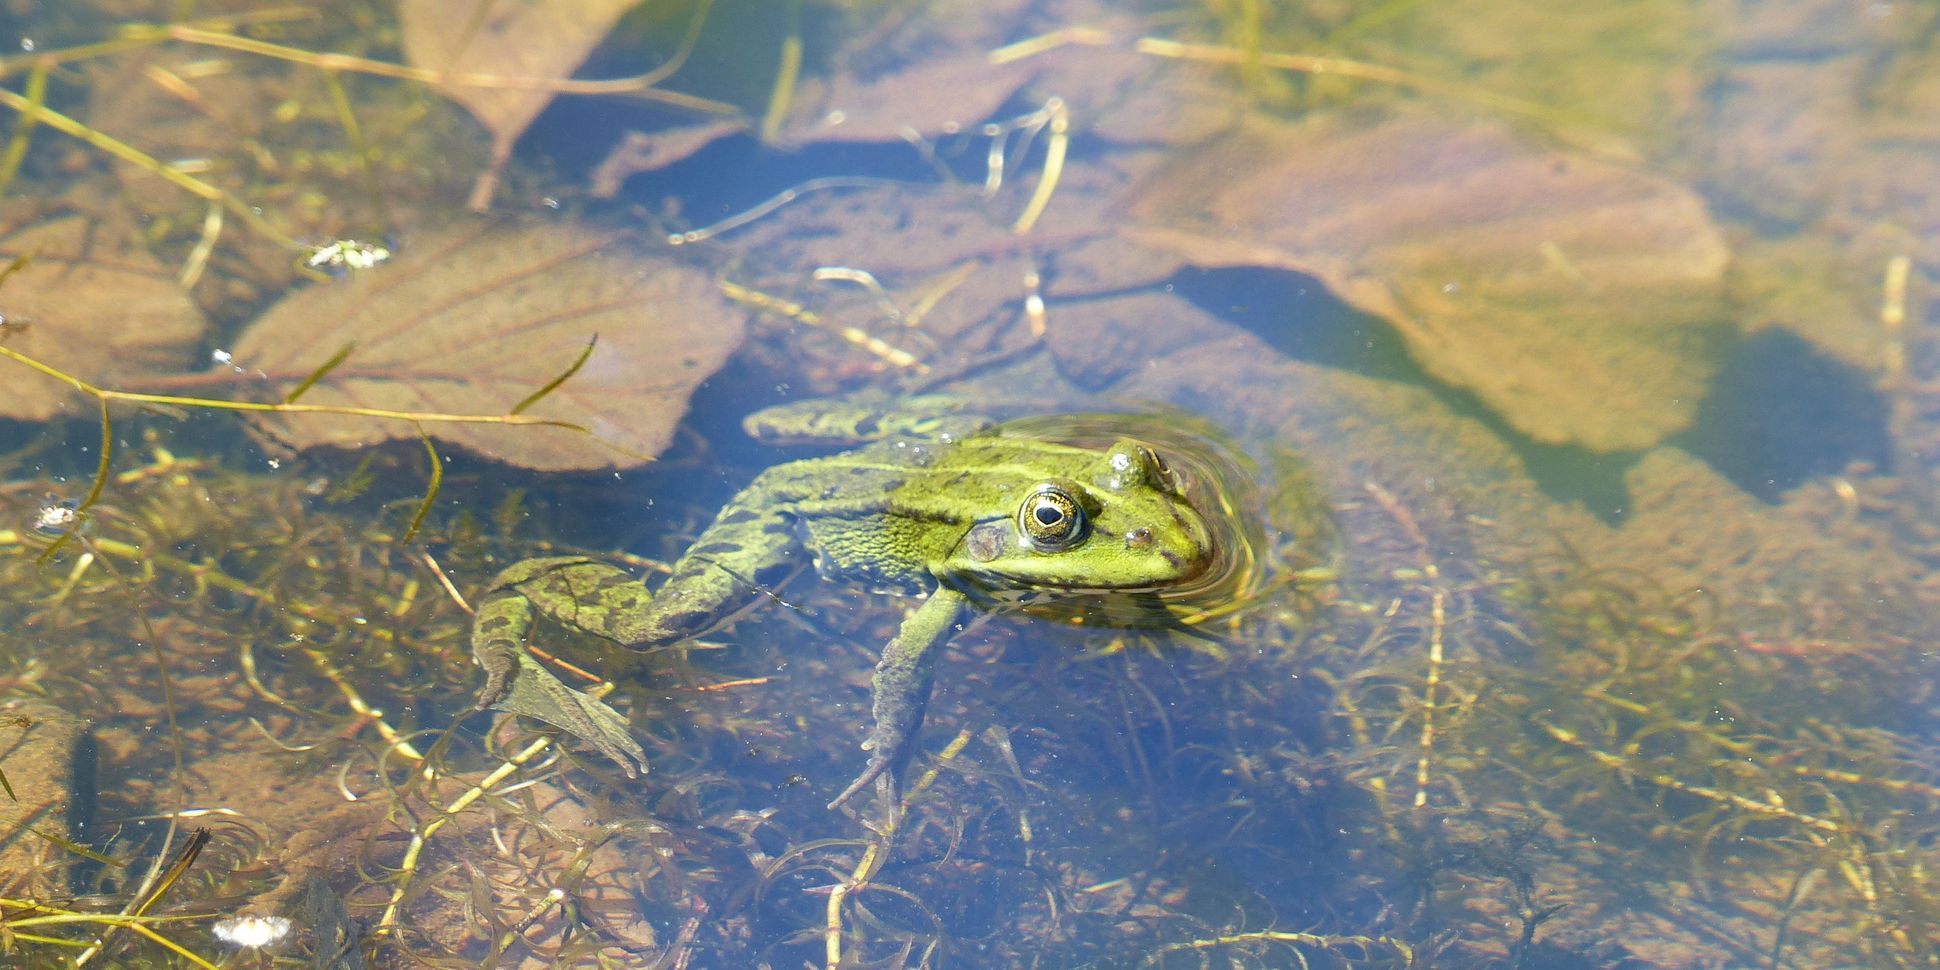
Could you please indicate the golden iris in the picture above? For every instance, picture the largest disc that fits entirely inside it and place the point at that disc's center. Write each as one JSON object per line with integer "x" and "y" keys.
{"x": 1052, "y": 519}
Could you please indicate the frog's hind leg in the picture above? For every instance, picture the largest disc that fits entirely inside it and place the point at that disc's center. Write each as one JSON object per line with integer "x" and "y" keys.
{"x": 577, "y": 592}
{"x": 515, "y": 682}
{"x": 742, "y": 552}
{"x": 503, "y": 624}
{"x": 743, "y": 555}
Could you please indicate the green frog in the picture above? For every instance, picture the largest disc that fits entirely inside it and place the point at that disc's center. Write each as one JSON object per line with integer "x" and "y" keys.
{"x": 972, "y": 515}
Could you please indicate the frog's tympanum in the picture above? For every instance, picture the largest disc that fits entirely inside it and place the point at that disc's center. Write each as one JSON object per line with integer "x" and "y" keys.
{"x": 1004, "y": 517}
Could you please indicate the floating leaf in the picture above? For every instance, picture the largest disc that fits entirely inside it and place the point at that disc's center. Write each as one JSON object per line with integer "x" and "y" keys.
{"x": 1579, "y": 299}
{"x": 508, "y": 39}
{"x": 474, "y": 320}
{"x": 88, "y": 301}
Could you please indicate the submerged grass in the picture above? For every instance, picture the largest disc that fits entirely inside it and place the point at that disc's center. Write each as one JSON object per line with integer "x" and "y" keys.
{"x": 104, "y": 396}
{"x": 329, "y": 635}
{"x": 1461, "y": 762}
{"x": 1601, "y": 748}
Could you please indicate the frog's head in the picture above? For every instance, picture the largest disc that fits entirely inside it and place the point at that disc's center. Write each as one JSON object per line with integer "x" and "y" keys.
{"x": 1123, "y": 523}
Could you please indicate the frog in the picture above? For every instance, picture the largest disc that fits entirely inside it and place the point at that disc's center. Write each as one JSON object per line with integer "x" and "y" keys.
{"x": 969, "y": 513}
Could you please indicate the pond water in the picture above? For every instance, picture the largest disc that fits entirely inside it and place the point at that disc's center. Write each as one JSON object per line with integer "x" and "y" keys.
{"x": 1558, "y": 382}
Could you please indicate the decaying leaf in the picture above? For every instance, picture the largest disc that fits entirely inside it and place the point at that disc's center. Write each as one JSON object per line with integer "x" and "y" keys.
{"x": 930, "y": 98}
{"x": 1610, "y": 73}
{"x": 508, "y": 39}
{"x": 474, "y": 319}
{"x": 936, "y": 76}
{"x": 39, "y": 740}
{"x": 908, "y": 75}
{"x": 1768, "y": 568}
{"x": 89, "y": 302}
{"x": 1581, "y": 300}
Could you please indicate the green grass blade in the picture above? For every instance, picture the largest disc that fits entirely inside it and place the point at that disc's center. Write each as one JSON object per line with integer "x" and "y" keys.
{"x": 431, "y": 492}
{"x": 320, "y": 373}
{"x": 539, "y": 394}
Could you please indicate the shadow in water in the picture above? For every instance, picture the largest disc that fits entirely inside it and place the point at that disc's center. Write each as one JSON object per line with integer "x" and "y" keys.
{"x": 1780, "y": 413}
{"x": 1777, "y": 414}
{"x": 1300, "y": 317}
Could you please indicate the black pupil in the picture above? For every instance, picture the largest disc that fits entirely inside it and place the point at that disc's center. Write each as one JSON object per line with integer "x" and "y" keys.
{"x": 1048, "y": 515}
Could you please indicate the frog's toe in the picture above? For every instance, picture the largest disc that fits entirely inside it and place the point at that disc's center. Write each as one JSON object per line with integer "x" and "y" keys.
{"x": 878, "y": 770}
{"x": 498, "y": 683}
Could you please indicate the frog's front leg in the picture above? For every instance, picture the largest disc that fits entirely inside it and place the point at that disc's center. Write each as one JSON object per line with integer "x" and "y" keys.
{"x": 902, "y": 691}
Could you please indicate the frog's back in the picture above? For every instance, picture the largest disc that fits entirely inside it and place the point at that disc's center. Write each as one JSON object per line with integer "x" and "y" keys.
{"x": 889, "y": 514}
{"x": 844, "y": 514}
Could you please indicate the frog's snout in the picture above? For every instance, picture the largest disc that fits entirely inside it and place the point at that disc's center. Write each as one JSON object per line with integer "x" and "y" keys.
{"x": 1141, "y": 539}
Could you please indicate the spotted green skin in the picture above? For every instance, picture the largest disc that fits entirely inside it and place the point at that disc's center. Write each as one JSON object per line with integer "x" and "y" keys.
{"x": 939, "y": 517}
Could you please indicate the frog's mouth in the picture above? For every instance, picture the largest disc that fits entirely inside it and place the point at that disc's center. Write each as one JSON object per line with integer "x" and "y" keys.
{"x": 998, "y": 565}
{"x": 1116, "y": 607}
{"x": 1038, "y": 588}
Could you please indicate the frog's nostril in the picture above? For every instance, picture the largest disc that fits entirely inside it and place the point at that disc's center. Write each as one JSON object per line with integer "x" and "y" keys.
{"x": 1139, "y": 538}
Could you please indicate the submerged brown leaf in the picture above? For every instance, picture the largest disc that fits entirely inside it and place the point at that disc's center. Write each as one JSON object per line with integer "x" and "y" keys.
{"x": 928, "y": 77}
{"x": 1824, "y": 139}
{"x": 1617, "y": 75}
{"x": 640, "y": 151}
{"x": 475, "y": 319}
{"x": 902, "y": 76}
{"x": 1581, "y": 300}
{"x": 508, "y": 39}
{"x": 929, "y": 98}
{"x": 88, "y": 301}
{"x": 270, "y": 132}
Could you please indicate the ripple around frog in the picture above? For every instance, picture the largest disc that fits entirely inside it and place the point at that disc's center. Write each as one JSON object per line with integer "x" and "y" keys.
{"x": 1224, "y": 484}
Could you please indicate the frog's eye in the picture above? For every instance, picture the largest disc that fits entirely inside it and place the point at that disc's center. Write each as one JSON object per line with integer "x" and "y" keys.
{"x": 1051, "y": 519}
